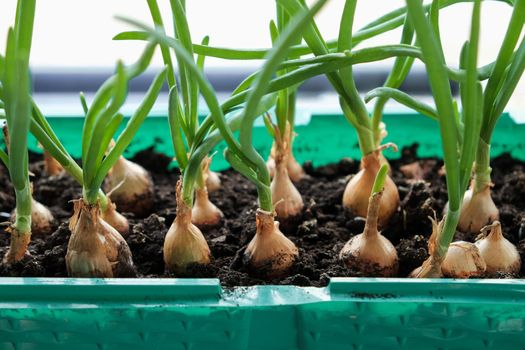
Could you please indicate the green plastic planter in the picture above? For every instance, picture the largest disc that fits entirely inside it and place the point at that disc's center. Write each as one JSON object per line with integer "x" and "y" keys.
{"x": 351, "y": 313}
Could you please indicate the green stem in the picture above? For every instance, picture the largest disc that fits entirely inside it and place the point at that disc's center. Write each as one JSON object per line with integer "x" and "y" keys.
{"x": 482, "y": 168}
{"x": 443, "y": 97}
{"x": 379, "y": 182}
{"x": 23, "y": 209}
{"x": 449, "y": 229}
{"x": 166, "y": 56}
{"x": 265, "y": 197}
{"x": 199, "y": 180}
{"x": 90, "y": 195}
{"x": 365, "y": 135}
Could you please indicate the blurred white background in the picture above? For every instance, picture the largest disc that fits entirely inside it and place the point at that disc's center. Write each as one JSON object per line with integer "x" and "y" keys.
{"x": 73, "y": 34}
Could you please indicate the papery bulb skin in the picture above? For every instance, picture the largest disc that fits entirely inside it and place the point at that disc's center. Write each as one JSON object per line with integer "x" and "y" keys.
{"x": 42, "y": 220}
{"x": 370, "y": 252}
{"x": 500, "y": 255}
{"x": 51, "y": 166}
{"x": 115, "y": 219}
{"x": 130, "y": 187}
{"x": 95, "y": 248}
{"x": 184, "y": 244}
{"x": 463, "y": 260}
{"x": 204, "y": 213}
{"x": 295, "y": 170}
{"x": 358, "y": 189}
{"x": 286, "y": 198}
{"x": 431, "y": 268}
{"x": 18, "y": 245}
{"x": 213, "y": 181}
{"x": 477, "y": 211}
{"x": 270, "y": 252}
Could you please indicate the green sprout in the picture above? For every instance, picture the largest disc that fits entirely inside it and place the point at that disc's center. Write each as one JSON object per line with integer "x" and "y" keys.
{"x": 16, "y": 92}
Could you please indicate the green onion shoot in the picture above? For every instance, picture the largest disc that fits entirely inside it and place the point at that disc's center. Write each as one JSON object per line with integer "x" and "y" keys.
{"x": 96, "y": 248}
{"x": 357, "y": 192}
{"x": 17, "y": 105}
{"x": 370, "y": 252}
{"x": 282, "y": 165}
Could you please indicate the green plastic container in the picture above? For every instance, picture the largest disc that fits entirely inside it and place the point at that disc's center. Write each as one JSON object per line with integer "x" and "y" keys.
{"x": 351, "y": 313}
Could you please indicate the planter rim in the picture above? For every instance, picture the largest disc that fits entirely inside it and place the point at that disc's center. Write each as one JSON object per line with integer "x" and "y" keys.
{"x": 208, "y": 292}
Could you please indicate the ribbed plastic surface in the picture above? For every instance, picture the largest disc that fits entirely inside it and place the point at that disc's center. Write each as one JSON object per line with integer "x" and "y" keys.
{"x": 351, "y": 313}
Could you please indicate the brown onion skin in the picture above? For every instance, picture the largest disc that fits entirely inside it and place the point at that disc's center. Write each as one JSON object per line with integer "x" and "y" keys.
{"x": 477, "y": 211}
{"x": 130, "y": 187}
{"x": 370, "y": 252}
{"x": 358, "y": 189}
{"x": 95, "y": 248}
{"x": 270, "y": 252}
{"x": 213, "y": 181}
{"x": 295, "y": 170}
{"x": 463, "y": 260}
{"x": 431, "y": 267}
{"x": 42, "y": 220}
{"x": 204, "y": 213}
{"x": 184, "y": 244}
{"x": 18, "y": 245}
{"x": 287, "y": 200}
{"x": 51, "y": 166}
{"x": 500, "y": 255}
{"x": 115, "y": 219}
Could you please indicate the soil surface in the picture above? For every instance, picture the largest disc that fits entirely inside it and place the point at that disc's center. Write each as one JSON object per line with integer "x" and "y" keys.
{"x": 319, "y": 234}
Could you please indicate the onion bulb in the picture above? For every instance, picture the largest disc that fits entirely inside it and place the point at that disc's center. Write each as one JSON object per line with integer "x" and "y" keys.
{"x": 115, "y": 219}
{"x": 286, "y": 198}
{"x": 463, "y": 260}
{"x": 213, "y": 181}
{"x": 412, "y": 171}
{"x": 184, "y": 244}
{"x": 478, "y": 210}
{"x": 431, "y": 268}
{"x": 42, "y": 220}
{"x": 295, "y": 170}
{"x": 95, "y": 248}
{"x": 358, "y": 189}
{"x": 51, "y": 166}
{"x": 204, "y": 213}
{"x": 130, "y": 187}
{"x": 499, "y": 254}
{"x": 370, "y": 252}
{"x": 270, "y": 252}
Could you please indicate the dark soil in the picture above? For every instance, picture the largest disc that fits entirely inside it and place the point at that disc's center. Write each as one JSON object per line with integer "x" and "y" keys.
{"x": 319, "y": 234}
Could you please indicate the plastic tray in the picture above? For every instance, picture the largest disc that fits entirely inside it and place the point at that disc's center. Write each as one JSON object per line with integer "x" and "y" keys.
{"x": 351, "y": 313}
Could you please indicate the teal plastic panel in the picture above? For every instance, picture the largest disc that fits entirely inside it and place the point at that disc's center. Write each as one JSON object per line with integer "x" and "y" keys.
{"x": 321, "y": 139}
{"x": 351, "y": 313}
